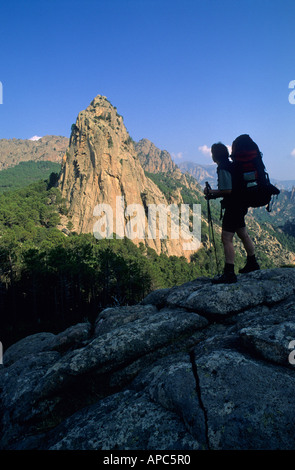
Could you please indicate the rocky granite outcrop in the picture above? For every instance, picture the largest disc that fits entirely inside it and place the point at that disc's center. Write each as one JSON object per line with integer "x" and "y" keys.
{"x": 101, "y": 166}
{"x": 197, "y": 366}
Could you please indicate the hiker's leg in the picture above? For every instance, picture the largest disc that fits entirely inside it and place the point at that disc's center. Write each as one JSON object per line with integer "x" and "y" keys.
{"x": 228, "y": 275}
{"x": 251, "y": 264}
{"x": 246, "y": 240}
{"x": 227, "y": 236}
{"x": 228, "y": 246}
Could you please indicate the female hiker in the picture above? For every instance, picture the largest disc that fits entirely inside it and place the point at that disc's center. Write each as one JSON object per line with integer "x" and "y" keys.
{"x": 234, "y": 216}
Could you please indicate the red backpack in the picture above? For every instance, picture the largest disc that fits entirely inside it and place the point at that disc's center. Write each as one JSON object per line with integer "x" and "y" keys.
{"x": 251, "y": 181}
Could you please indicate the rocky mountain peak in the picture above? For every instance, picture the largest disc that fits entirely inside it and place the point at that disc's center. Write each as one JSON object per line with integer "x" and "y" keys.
{"x": 100, "y": 118}
{"x": 101, "y": 166}
{"x": 153, "y": 159}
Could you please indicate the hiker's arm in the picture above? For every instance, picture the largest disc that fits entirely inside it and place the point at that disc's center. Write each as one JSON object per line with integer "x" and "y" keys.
{"x": 215, "y": 193}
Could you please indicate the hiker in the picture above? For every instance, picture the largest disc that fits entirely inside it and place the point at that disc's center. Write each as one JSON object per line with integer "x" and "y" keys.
{"x": 234, "y": 216}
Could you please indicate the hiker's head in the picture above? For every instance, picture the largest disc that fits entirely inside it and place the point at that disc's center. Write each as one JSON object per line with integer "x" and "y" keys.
{"x": 243, "y": 143}
{"x": 220, "y": 153}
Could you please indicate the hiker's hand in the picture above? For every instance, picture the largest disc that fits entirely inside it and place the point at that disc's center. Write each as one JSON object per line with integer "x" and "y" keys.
{"x": 207, "y": 188}
{"x": 208, "y": 193}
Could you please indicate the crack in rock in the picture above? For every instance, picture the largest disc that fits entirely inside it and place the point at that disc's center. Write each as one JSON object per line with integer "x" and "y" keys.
{"x": 199, "y": 394}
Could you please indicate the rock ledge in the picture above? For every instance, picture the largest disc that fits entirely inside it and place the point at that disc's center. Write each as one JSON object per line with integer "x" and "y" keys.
{"x": 197, "y": 366}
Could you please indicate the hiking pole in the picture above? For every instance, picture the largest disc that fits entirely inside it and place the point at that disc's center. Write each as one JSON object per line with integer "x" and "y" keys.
{"x": 209, "y": 232}
{"x": 210, "y": 226}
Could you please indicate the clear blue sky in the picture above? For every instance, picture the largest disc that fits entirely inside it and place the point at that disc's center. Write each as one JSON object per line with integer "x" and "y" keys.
{"x": 183, "y": 73}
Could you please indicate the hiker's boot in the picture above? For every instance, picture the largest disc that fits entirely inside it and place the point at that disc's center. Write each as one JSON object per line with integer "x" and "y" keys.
{"x": 251, "y": 265}
{"x": 228, "y": 276}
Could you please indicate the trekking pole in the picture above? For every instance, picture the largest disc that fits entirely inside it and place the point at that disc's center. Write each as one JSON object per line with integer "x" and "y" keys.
{"x": 209, "y": 232}
{"x": 210, "y": 226}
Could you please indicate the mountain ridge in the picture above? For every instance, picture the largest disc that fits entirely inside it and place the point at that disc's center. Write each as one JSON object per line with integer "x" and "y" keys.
{"x": 8, "y": 147}
{"x": 49, "y": 148}
{"x": 172, "y": 183}
{"x": 204, "y": 173}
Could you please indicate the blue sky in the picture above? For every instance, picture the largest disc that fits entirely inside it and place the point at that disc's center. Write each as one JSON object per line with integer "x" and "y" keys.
{"x": 183, "y": 73}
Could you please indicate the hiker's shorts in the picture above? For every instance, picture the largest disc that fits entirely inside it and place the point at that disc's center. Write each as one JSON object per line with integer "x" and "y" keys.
{"x": 234, "y": 218}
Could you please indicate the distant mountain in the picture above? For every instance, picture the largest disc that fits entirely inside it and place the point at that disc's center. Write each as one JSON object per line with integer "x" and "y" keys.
{"x": 48, "y": 148}
{"x": 202, "y": 173}
{"x": 153, "y": 159}
{"x": 282, "y": 212}
{"x": 288, "y": 185}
